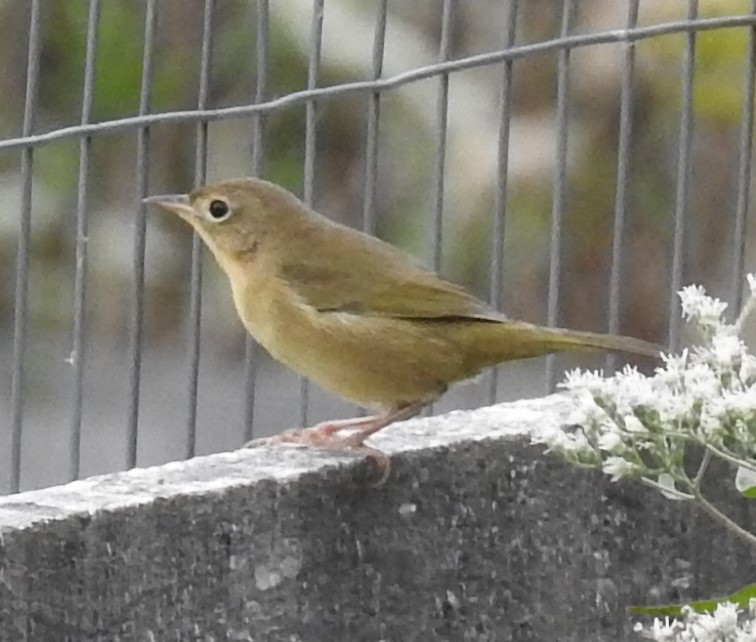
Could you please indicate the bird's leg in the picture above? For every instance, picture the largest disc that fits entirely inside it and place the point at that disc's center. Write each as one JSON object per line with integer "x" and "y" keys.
{"x": 326, "y": 434}
{"x": 321, "y": 434}
{"x": 370, "y": 425}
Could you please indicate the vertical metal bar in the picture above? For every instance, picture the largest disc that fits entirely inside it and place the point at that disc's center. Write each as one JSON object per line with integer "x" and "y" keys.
{"x": 22, "y": 257}
{"x": 623, "y": 177}
{"x": 78, "y": 347}
{"x": 316, "y": 41}
{"x": 500, "y": 204}
{"x": 373, "y": 128}
{"x": 373, "y": 123}
{"x": 744, "y": 172}
{"x": 195, "y": 280}
{"x": 258, "y": 158}
{"x": 442, "y": 114}
{"x": 683, "y": 179}
{"x": 560, "y": 186}
{"x": 140, "y": 230}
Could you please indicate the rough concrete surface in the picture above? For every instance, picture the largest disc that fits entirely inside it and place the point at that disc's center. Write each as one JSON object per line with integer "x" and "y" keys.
{"x": 477, "y": 536}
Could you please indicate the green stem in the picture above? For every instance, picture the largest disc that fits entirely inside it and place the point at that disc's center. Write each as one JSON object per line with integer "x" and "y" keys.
{"x": 744, "y": 314}
{"x": 725, "y": 521}
{"x": 702, "y": 469}
{"x": 731, "y": 458}
{"x": 667, "y": 491}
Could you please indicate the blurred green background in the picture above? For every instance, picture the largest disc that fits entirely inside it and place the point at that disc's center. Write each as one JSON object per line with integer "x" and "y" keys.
{"x": 409, "y": 131}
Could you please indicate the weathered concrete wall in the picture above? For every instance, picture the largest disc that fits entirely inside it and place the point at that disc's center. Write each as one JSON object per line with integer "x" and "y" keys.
{"x": 477, "y": 536}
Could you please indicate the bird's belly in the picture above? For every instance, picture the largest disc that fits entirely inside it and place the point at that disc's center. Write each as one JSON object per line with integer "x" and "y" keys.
{"x": 373, "y": 361}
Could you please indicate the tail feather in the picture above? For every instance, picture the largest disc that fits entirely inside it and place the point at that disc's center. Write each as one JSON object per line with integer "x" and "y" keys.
{"x": 519, "y": 340}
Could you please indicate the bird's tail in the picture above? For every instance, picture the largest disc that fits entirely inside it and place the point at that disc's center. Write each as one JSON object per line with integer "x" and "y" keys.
{"x": 519, "y": 340}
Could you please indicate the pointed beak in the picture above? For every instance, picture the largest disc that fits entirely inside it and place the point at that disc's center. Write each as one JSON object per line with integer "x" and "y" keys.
{"x": 176, "y": 203}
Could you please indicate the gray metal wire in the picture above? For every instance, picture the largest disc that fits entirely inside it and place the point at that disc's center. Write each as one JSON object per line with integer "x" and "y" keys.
{"x": 313, "y": 71}
{"x": 373, "y": 122}
{"x": 195, "y": 278}
{"x": 744, "y": 172}
{"x": 78, "y": 355}
{"x": 140, "y": 236}
{"x": 623, "y": 177}
{"x": 442, "y": 115}
{"x": 383, "y": 84}
{"x": 500, "y": 204}
{"x": 22, "y": 257}
{"x": 560, "y": 186}
{"x": 251, "y": 349}
{"x": 683, "y": 178}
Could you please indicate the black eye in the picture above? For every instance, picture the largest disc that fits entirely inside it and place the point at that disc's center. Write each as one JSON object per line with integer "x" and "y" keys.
{"x": 218, "y": 209}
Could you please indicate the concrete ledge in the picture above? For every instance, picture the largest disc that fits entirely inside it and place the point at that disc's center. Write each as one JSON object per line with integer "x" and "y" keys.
{"x": 477, "y": 536}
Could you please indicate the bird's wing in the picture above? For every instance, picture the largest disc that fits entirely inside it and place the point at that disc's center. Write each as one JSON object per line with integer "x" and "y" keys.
{"x": 388, "y": 285}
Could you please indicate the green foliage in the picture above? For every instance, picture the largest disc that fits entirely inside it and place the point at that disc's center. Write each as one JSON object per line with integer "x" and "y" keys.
{"x": 741, "y": 598}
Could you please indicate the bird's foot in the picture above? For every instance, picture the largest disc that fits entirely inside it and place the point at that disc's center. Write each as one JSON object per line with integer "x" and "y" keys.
{"x": 328, "y": 435}
{"x": 347, "y": 434}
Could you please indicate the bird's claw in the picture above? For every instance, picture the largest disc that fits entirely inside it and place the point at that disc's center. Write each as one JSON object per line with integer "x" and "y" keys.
{"x": 326, "y": 436}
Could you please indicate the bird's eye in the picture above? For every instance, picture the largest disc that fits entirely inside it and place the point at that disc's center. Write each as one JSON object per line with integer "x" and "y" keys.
{"x": 218, "y": 210}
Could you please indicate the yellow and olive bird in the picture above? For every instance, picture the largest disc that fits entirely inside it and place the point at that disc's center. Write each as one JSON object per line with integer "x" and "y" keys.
{"x": 354, "y": 314}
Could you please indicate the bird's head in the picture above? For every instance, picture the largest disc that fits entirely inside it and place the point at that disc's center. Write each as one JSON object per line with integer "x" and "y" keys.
{"x": 234, "y": 217}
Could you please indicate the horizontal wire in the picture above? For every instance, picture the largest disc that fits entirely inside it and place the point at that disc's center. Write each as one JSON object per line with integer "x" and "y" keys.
{"x": 382, "y": 84}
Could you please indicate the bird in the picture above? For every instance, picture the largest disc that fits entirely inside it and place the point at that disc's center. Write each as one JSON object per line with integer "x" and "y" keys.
{"x": 355, "y": 314}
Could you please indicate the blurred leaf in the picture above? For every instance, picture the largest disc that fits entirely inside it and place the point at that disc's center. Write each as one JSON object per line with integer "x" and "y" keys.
{"x": 666, "y": 481}
{"x": 741, "y": 598}
{"x": 719, "y": 65}
{"x": 745, "y": 482}
{"x": 119, "y": 61}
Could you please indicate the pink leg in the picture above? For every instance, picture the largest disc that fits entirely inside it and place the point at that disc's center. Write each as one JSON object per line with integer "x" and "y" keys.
{"x": 326, "y": 434}
{"x": 321, "y": 434}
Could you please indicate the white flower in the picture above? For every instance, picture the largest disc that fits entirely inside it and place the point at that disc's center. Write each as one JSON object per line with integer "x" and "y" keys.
{"x": 618, "y": 467}
{"x": 590, "y": 380}
{"x": 610, "y": 441}
{"x": 726, "y": 349}
{"x": 698, "y": 306}
{"x": 751, "y": 284}
{"x": 720, "y": 626}
{"x": 706, "y": 395}
{"x": 662, "y": 631}
{"x": 701, "y": 382}
{"x": 561, "y": 440}
{"x": 634, "y": 425}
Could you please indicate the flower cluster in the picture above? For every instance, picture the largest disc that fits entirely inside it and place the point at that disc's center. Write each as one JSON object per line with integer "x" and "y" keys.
{"x": 632, "y": 425}
{"x": 722, "y": 625}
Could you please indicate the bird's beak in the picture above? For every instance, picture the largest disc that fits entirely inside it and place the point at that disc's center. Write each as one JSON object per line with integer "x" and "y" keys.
{"x": 176, "y": 203}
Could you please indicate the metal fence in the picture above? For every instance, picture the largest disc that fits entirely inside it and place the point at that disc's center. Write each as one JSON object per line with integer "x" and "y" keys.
{"x": 372, "y": 90}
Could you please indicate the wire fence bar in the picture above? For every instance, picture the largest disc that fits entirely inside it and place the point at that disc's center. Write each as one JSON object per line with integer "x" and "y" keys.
{"x": 311, "y": 143}
{"x": 502, "y": 183}
{"x": 373, "y": 130}
{"x": 442, "y": 118}
{"x": 251, "y": 349}
{"x": 22, "y": 257}
{"x": 560, "y": 187}
{"x": 744, "y": 172}
{"x": 195, "y": 278}
{"x": 385, "y": 83}
{"x": 623, "y": 177}
{"x": 683, "y": 179}
{"x": 373, "y": 122}
{"x": 442, "y": 124}
{"x": 77, "y": 358}
{"x": 140, "y": 236}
